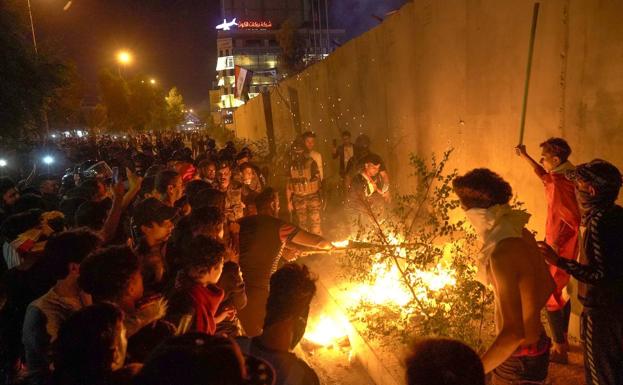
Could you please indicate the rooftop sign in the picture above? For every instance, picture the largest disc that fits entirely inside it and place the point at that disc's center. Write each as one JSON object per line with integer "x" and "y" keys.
{"x": 247, "y": 24}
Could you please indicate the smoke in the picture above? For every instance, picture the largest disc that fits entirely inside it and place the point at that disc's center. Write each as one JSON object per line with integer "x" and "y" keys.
{"x": 358, "y": 16}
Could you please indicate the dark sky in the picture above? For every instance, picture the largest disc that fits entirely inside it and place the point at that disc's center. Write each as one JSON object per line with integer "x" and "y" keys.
{"x": 172, "y": 40}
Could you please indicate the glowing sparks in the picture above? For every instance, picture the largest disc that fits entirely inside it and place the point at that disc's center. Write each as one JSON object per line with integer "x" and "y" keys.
{"x": 341, "y": 244}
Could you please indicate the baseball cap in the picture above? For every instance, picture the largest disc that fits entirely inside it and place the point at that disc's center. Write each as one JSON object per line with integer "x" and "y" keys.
{"x": 152, "y": 210}
{"x": 598, "y": 172}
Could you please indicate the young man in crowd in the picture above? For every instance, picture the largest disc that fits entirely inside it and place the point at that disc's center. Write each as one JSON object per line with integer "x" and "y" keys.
{"x": 367, "y": 191}
{"x": 194, "y": 303}
{"x": 234, "y": 208}
{"x": 45, "y": 315}
{"x": 344, "y": 152}
{"x": 169, "y": 187}
{"x": 303, "y": 190}
{"x": 8, "y": 197}
{"x": 207, "y": 172}
{"x": 113, "y": 274}
{"x": 510, "y": 264}
{"x": 48, "y": 187}
{"x": 599, "y": 271}
{"x": 291, "y": 291}
{"x": 356, "y": 163}
{"x": 152, "y": 225}
{"x": 309, "y": 138}
{"x": 251, "y": 186}
{"x": 91, "y": 348}
{"x": 441, "y": 361}
{"x": 561, "y": 231}
{"x": 263, "y": 240}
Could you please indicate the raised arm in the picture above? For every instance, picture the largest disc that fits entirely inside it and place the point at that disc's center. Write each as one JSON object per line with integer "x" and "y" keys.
{"x": 523, "y": 153}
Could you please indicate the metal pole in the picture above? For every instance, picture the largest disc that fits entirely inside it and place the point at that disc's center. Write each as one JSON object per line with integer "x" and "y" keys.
{"x": 34, "y": 43}
{"x": 522, "y": 125}
{"x": 314, "y": 27}
{"x": 320, "y": 39}
{"x": 32, "y": 28}
{"x": 326, "y": 15}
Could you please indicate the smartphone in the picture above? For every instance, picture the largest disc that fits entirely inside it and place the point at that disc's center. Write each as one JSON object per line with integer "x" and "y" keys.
{"x": 115, "y": 175}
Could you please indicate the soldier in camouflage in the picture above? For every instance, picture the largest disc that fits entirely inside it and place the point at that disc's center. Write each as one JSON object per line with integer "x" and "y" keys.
{"x": 303, "y": 189}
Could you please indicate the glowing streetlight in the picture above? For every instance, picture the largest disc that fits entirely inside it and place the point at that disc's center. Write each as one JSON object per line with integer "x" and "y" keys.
{"x": 3, "y": 162}
{"x": 152, "y": 81}
{"x": 191, "y": 110}
{"x": 124, "y": 57}
{"x": 48, "y": 160}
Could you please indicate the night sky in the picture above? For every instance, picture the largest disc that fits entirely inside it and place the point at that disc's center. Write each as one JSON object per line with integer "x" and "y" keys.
{"x": 172, "y": 40}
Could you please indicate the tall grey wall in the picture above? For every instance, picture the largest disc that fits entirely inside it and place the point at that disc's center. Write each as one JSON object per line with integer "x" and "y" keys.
{"x": 450, "y": 73}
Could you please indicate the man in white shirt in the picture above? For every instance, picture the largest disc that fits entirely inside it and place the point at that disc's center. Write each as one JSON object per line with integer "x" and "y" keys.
{"x": 310, "y": 142}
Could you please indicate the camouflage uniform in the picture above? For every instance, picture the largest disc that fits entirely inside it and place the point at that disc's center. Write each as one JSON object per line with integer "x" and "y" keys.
{"x": 234, "y": 208}
{"x": 304, "y": 183}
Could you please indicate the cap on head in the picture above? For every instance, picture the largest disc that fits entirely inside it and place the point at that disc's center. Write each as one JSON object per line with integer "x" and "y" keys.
{"x": 597, "y": 172}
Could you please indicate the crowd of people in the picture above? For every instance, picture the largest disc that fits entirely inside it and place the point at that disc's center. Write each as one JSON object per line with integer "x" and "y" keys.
{"x": 167, "y": 260}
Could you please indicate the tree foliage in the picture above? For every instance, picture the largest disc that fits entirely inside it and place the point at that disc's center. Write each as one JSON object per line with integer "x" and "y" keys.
{"x": 175, "y": 108}
{"x": 115, "y": 96}
{"x": 138, "y": 105}
{"x": 30, "y": 82}
{"x": 432, "y": 243}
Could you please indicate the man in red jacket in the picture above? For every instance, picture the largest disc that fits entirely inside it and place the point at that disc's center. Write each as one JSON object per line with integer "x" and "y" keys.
{"x": 561, "y": 232}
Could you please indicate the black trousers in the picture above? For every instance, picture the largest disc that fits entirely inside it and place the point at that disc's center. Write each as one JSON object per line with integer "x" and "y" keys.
{"x": 602, "y": 330}
{"x": 559, "y": 323}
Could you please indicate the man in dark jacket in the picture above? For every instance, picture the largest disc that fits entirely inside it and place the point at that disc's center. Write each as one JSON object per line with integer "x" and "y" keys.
{"x": 599, "y": 271}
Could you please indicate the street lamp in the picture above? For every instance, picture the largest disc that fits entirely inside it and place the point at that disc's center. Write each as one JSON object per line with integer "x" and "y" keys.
{"x": 3, "y": 162}
{"x": 152, "y": 81}
{"x": 124, "y": 58}
{"x": 48, "y": 160}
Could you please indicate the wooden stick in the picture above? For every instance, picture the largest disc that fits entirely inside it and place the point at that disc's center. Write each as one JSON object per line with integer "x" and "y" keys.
{"x": 535, "y": 16}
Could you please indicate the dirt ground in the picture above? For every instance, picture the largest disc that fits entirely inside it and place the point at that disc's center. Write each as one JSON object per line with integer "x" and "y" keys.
{"x": 334, "y": 367}
{"x": 571, "y": 374}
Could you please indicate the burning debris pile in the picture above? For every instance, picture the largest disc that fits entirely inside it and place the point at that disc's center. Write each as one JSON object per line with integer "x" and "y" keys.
{"x": 409, "y": 274}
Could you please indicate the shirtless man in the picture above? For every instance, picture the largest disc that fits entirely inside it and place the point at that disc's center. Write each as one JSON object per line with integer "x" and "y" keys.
{"x": 510, "y": 264}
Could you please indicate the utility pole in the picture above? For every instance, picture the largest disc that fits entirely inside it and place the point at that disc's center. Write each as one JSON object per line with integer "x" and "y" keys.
{"x": 326, "y": 15}
{"x": 32, "y": 28}
{"x": 34, "y": 43}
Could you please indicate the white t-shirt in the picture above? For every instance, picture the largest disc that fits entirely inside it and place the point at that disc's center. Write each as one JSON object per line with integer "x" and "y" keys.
{"x": 317, "y": 157}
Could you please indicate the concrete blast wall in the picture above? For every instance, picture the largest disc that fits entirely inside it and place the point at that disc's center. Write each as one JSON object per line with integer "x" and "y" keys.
{"x": 442, "y": 73}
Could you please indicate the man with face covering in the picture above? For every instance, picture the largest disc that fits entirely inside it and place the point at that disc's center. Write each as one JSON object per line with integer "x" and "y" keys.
{"x": 291, "y": 290}
{"x": 599, "y": 270}
{"x": 510, "y": 264}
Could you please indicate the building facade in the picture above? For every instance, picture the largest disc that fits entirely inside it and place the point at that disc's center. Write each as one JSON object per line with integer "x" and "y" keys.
{"x": 247, "y": 37}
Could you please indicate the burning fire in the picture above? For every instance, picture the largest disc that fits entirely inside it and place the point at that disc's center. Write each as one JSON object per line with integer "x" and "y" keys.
{"x": 341, "y": 244}
{"x": 328, "y": 330}
{"x": 387, "y": 288}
